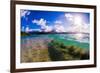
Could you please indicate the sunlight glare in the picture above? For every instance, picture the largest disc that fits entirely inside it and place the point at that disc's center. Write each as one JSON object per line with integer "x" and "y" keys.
{"x": 78, "y": 20}
{"x": 79, "y": 36}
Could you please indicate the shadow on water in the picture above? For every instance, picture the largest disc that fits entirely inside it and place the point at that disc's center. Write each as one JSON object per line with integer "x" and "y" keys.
{"x": 54, "y": 54}
{"x": 59, "y": 52}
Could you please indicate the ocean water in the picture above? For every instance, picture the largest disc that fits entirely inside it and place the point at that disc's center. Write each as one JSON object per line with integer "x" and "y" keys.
{"x": 78, "y": 40}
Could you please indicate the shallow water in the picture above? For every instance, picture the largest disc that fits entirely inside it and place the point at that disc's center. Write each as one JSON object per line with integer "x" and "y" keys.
{"x": 77, "y": 40}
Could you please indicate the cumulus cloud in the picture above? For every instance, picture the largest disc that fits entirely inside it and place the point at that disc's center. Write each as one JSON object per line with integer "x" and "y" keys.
{"x": 56, "y": 27}
{"x": 69, "y": 16}
{"x": 24, "y": 13}
{"x": 41, "y": 22}
{"x": 76, "y": 24}
{"x": 79, "y": 28}
{"x": 48, "y": 29}
{"x": 79, "y": 24}
{"x": 58, "y": 22}
{"x": 59, "y": 28}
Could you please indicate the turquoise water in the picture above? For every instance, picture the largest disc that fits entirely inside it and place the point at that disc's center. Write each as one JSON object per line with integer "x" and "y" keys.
{"x": 69, "y": 40}
{"x": 81, "y": 41}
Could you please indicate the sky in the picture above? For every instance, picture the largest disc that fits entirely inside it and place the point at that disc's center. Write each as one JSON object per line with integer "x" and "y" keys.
{"x": 52, "y": 21}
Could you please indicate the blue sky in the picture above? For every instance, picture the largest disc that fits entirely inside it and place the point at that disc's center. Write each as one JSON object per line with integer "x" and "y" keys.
{"x": 48, "y": 21}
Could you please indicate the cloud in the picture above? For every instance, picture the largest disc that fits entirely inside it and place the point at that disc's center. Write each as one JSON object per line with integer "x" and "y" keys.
{"x": 48, "y": 29}
{"x": 84, "y": 28}
{"x": 78, "y": 20}
{"x": 58, "y": 22}
{"x": 24, "y": 13}
{"x": 41, "y": 22}
{"x": 27, "y": 29}
{"x": 56, "y": 27}
{"x": 69, "y": 16}
{"x": 76, "y": 24}
{"x": 80, "y": 25}
{"x": 59, "y": 28}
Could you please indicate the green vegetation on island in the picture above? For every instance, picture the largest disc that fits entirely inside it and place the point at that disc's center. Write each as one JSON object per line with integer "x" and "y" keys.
{"x": 24, "y": 34}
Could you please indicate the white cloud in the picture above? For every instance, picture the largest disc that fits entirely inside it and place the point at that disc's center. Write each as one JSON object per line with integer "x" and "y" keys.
{"x": 27, "y": 29}
{"x": 58, "y": 22}
{"x": 79, "y": 28}
{"x": 40, "y": 22}
{"x": 86, "y": 28}
{"x": 77, "y": 25}
{"x": 78, "y": 20}
{"x": 28, "y": 13}
{"x": 24, "y": 13}
{"x": 48, "y": 28}
{"x": 44, "y": 27}
{"x": 69, "y": 16}
{"x": 59, "y": 28}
